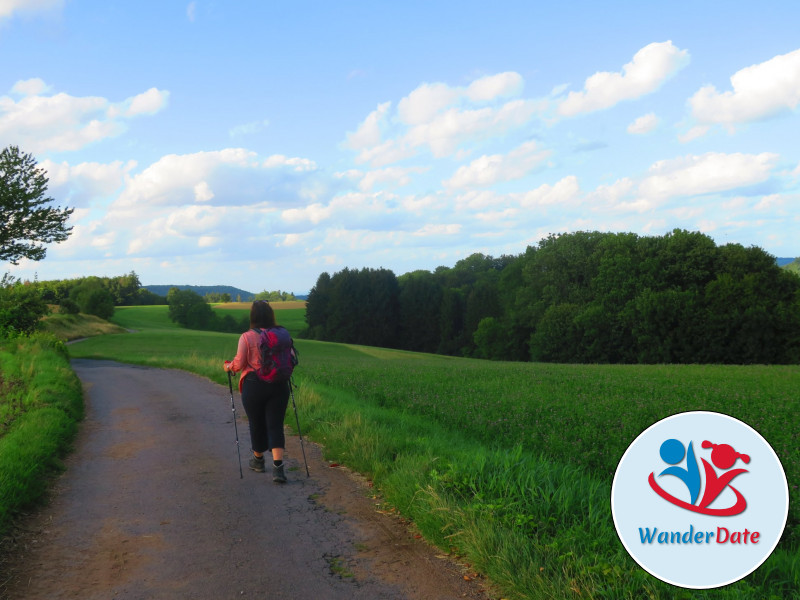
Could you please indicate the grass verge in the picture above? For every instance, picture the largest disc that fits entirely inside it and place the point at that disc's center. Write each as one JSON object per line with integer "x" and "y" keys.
{"x": 42, "y": 401}
{"x": 535, "y": 527}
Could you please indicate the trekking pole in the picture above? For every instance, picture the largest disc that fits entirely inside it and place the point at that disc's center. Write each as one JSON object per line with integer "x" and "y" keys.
{"x": 235, "y": 428}
{"x": 300, "y": 433}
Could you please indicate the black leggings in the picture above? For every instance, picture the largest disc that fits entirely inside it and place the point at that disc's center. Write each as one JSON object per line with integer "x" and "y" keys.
{"x": 265, "y": 405}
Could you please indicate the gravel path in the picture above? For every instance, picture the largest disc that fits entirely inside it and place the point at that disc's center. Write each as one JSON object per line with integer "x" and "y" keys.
{"x": 152, "y": 506}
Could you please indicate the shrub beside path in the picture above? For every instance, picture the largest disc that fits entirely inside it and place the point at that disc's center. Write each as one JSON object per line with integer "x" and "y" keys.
{"x": 151, "y": 505}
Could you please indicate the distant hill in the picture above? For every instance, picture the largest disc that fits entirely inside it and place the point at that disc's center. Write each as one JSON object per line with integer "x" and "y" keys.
{"x": 793, "y": 265}
{"x": 782, "y": 262}
{"x": 235, "y": 293}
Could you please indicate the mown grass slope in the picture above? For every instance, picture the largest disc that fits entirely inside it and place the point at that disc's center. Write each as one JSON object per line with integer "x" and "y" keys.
{"x": 72, "y": 327}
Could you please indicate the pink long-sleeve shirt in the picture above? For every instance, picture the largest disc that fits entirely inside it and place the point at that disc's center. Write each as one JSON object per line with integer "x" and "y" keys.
{"x": 248, "y": 356}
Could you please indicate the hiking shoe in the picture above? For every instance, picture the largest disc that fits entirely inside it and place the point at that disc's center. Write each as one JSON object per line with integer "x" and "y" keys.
{"x": 257, "y": 464}
{"x": 278, "y": 474}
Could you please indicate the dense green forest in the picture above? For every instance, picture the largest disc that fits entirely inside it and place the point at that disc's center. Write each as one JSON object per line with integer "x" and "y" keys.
{"x": 580, "y": 297}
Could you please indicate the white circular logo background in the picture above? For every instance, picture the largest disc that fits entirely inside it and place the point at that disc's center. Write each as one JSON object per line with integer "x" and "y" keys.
{"x": 672, "y": 490}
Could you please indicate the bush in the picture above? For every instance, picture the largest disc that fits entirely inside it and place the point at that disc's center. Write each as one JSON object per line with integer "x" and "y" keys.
{"x": 188, "y": 309}
{"x": 69, "y": 307}
{"x": 21, "y": 307}
{"x": 99, "y": 303}
{"x": 93, "y": 298}
{"x": 148, "y": 298}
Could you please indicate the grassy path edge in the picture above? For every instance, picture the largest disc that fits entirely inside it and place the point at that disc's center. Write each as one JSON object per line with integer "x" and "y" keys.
{"x": 46, "y": 399}
{"x": 534, "y": 527}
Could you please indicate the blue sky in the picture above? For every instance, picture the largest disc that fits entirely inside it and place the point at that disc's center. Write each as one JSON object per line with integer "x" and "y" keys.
{"x": 259, "y": 143}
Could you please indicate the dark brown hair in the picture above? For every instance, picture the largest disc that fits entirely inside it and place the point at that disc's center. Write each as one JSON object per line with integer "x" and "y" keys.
{"x": 262, "y": 315}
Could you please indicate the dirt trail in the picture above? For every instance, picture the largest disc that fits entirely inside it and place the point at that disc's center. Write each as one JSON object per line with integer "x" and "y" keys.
{"x": 151, "y": 506}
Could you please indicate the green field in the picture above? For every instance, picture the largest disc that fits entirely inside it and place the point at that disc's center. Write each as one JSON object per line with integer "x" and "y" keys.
{"x": 506, "y": 464}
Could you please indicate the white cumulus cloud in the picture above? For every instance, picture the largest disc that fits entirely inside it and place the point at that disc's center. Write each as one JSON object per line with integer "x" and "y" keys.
{"x": 613, "y": 193}
{"x": 40, "y": 122}
{"x": 705, "y": 174}
{"x": 149, "y": 102}
{"x": 771, "y": 203}
{"x": 450, "y": 129}
{"x": 425, "y": 102}
{"x": 429, "y": 99}
{"x": 495, "y": 86}
{"x": 490, "y": 169}
{"x": 694, "y": 133}
{"x": 176, "y": 231}
{"x": 203, "y": 192}
{"x": 650, "y": 68}
{"x": 437, "y": 230}
{"x": 79, "y": 185}
{"x": 313, "y": 213}
{"x": 208, "y": 241}
{"x": 392, "y": 176}
{"x": 294, "y": 163}
{"x": 759, "y": 91}
{"x": 30, "y": 87}
{"x": 441, "y": 118}
{"x": 644, "y": 124}
{"x": 177, "y": 179}
{"x": 562, "y": 192}
{"x": 368, "y": 133}
{"x": 473, "y": 200}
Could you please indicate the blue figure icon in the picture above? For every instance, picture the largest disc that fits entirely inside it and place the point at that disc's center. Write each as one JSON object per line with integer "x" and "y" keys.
{"x": 672, "y": 452}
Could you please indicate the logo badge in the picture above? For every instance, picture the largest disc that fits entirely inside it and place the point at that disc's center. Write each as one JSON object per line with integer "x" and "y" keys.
{"x": 699, "y": 500}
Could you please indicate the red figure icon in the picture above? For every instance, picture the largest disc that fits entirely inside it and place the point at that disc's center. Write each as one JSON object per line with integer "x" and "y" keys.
{"x": 724, "y": 457}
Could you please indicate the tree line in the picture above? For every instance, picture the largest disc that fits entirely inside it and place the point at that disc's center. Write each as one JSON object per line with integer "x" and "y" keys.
{"x": 275, "y": 296}
{"x": 193, "y": 311}
{"x": 23, "y": 303}
{"x": 122, "y": 290}
{"x": 586, "y": 297}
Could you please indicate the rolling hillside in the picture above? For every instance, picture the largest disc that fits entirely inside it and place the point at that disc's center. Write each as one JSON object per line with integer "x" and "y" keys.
{"x": 162, "y": 290}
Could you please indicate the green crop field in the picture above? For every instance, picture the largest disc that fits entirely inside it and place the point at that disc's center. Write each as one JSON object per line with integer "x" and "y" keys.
{"x": 582, "y": 414}
{"x": 506, "y": 464}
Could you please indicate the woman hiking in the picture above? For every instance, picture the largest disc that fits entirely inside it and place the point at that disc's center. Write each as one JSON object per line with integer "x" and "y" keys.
{"x": 264, "y": 402}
